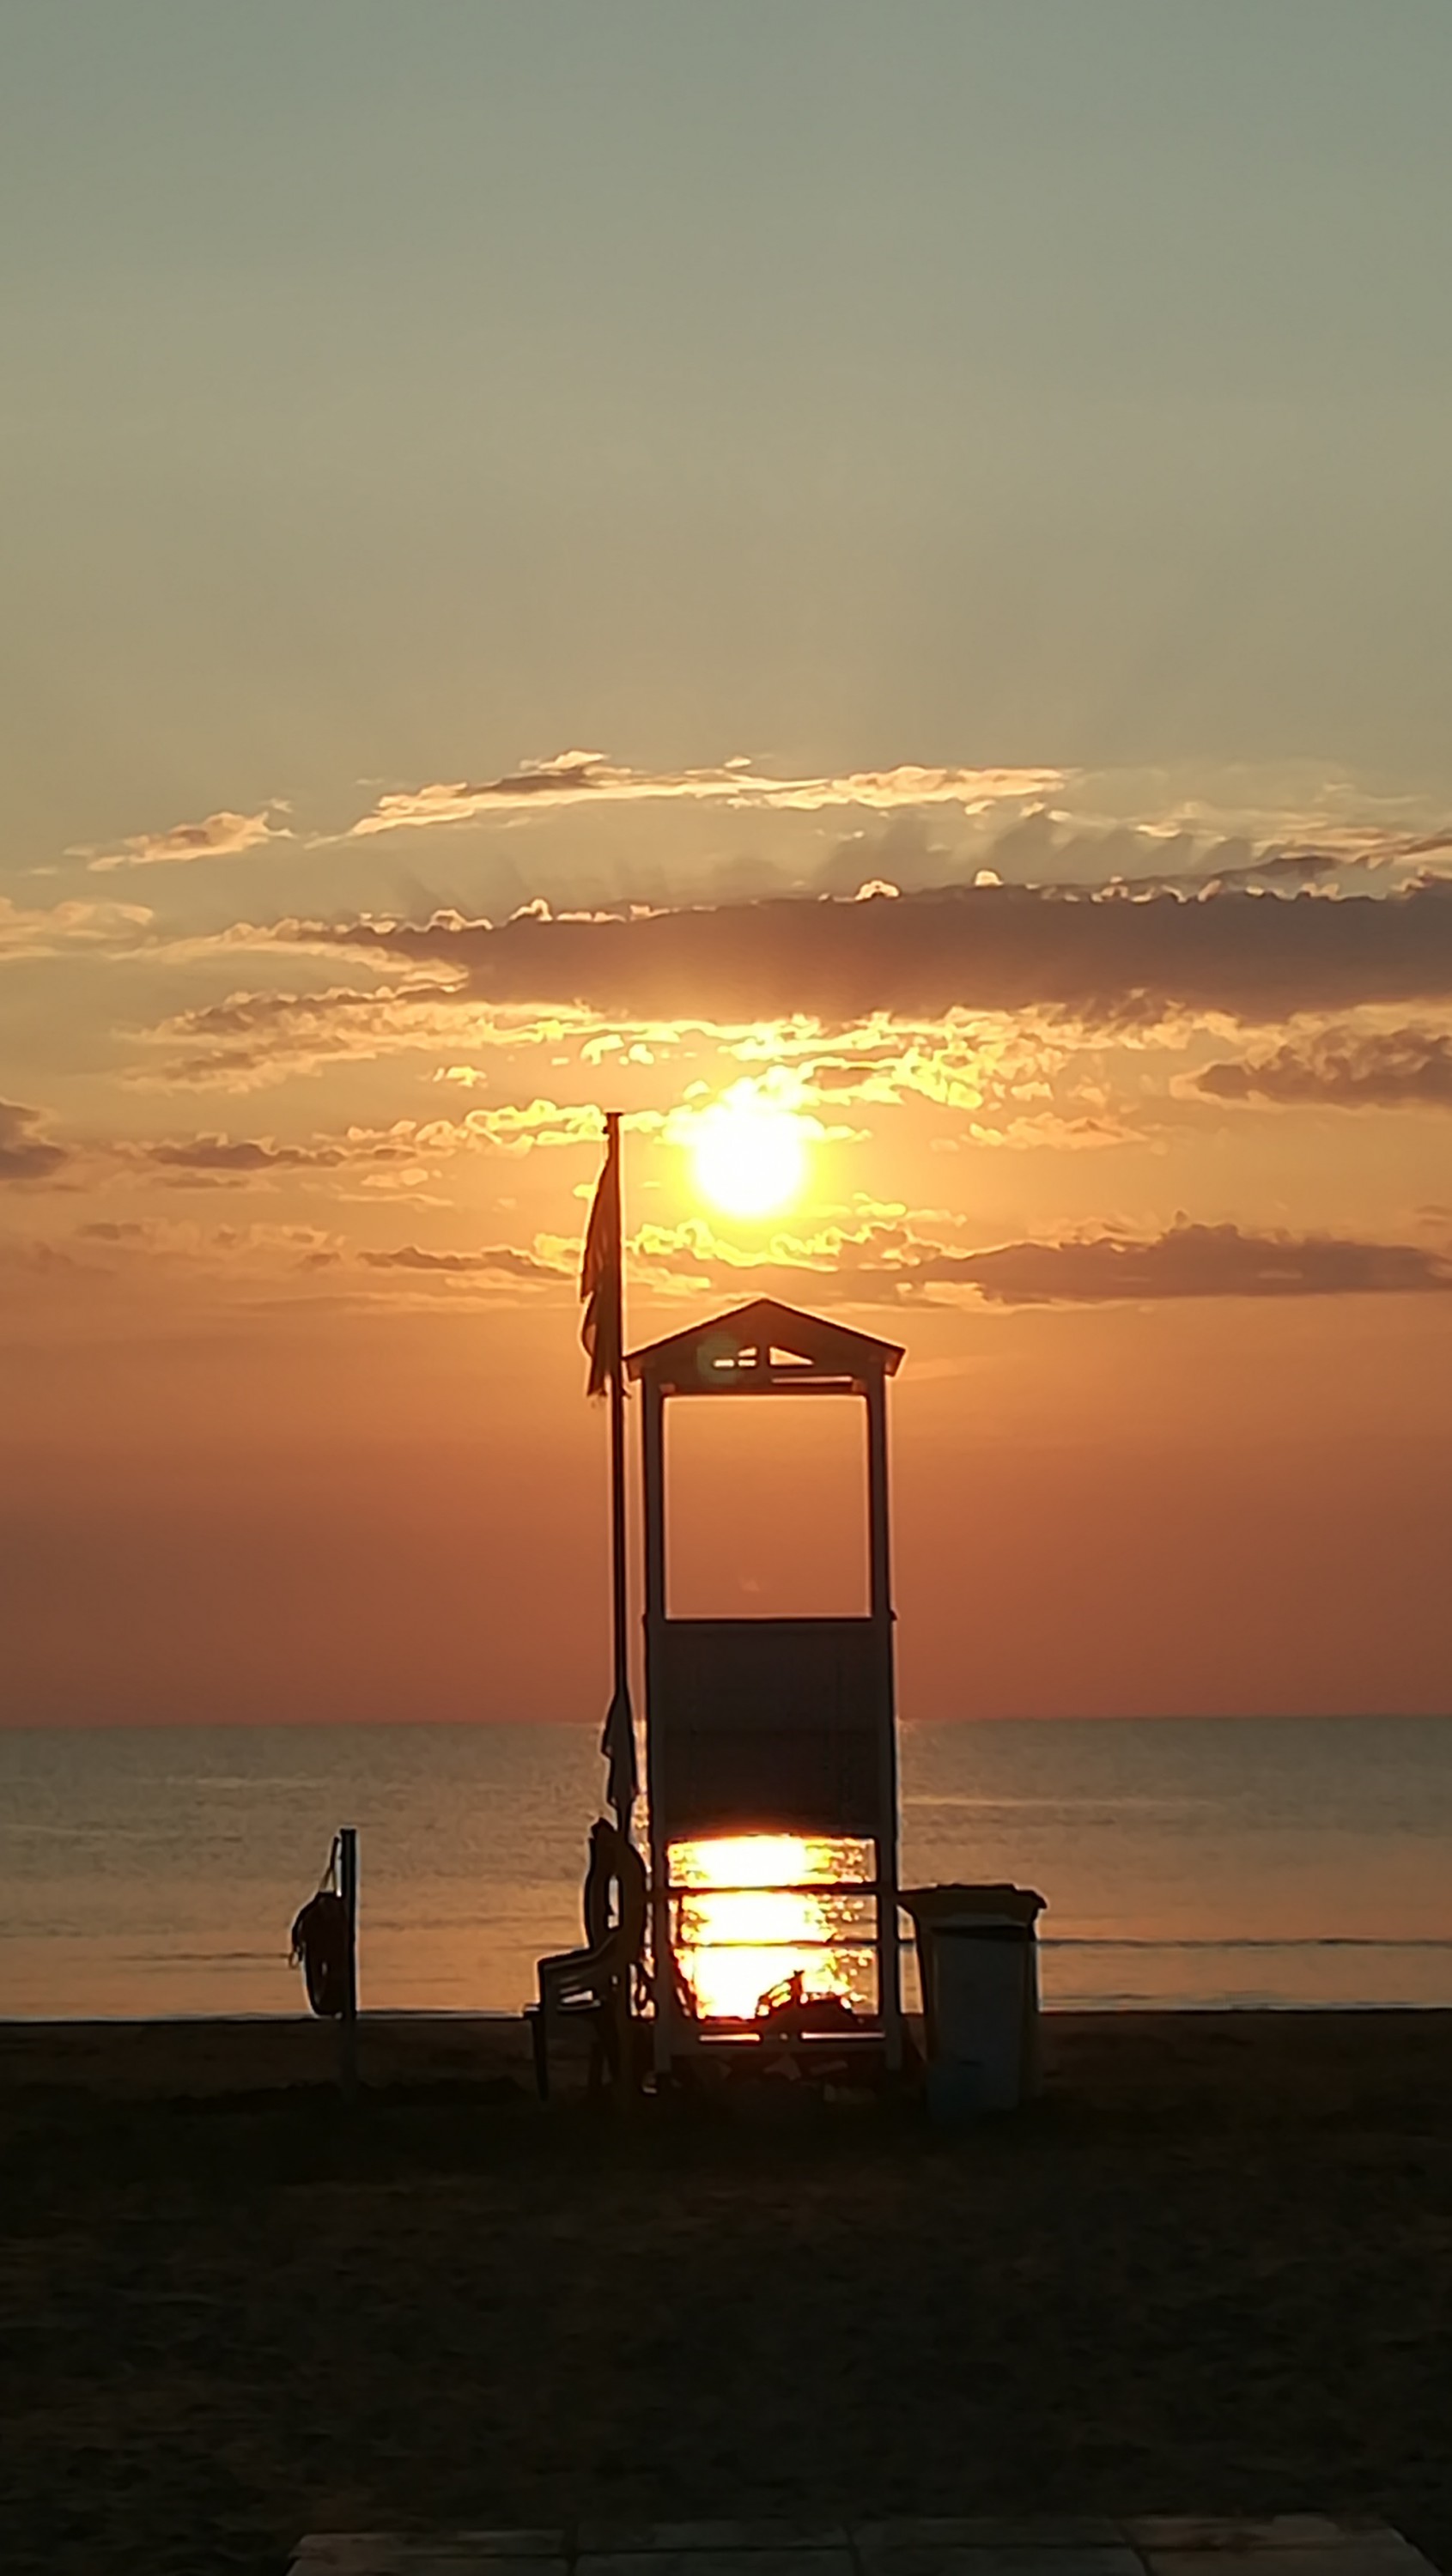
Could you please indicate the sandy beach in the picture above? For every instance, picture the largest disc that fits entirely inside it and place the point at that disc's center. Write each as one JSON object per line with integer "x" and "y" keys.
{"x": 1210, "y": 2270}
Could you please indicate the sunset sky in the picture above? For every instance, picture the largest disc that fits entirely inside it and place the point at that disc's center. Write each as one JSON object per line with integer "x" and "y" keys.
{"x": 870, "y": 582}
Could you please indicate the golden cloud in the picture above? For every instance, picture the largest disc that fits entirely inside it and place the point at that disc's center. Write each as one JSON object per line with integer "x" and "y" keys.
{"x": 579, "y": 777}
{"x": 50, "y": 930}
{"x": 220, "y": 836}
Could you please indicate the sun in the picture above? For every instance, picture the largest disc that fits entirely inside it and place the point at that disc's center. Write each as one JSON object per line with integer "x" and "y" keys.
{"x": 749, "y": 1153}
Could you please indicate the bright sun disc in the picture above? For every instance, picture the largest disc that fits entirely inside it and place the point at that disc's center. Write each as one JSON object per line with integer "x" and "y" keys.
{"x": 750, "y": 1157}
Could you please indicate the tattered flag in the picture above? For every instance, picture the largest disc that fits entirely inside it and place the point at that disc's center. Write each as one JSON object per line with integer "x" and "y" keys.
{"x": 600, "y": 1330}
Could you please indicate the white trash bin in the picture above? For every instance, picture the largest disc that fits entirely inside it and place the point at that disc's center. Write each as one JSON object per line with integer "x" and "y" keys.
{"x": 979, "y": 1969}
{"x": 978, "y": 1959}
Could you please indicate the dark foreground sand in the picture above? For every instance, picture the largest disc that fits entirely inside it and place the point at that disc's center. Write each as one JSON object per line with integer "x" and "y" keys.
{"x": 1211, "y": 2270}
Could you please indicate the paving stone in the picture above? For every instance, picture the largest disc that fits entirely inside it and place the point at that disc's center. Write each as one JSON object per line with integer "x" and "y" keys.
{"x": 348, "y": 2553}
{"x": 1198, "y": 2531}
{"x": 448, "y": 2558}
{"x": 512, "y": 2544}
{"x": 992, "y": 2557}
{"x": 412, "y": 2553}
{"x": 1298, "y": 2544}
{"x": 615, "y": 2539}
{"x": 1375, "y": 2551}
{"x": 745, "y": 2561}
{"x": 759, "y": 2534}
{"x": 992, "y": 2531}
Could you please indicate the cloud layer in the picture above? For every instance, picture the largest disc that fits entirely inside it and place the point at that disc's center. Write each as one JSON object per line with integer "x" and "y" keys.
{"x": 26, "y": 1153}
{"x": 221, "y": 836}
{"x": 1114, "y": 955}
{"x": 587, "y": 777}
{"x": 251, "y": 1040}
{"x": 1188, "y": 1261}
{"x": 491, "y": 1261}
{"x": 894, "y": 1264}
{"x": 1342, "y": 1069}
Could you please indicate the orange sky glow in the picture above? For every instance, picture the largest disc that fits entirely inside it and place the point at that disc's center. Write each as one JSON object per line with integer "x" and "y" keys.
{"x": 293, "y": 1400}
{"x": 875, "y": 605}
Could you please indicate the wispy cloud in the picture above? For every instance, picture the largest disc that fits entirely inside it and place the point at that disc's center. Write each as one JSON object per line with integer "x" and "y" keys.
{"x": 1341, "y": 1069}
{"x": 26, "y": 1152}
{"x": 581, "y": 777}
{"x": 52, "y": 930}
{"x": 396, "y": 1157}
{"x": 889, "y": 1259}
{"x": 1338, "y": 851}
{"x": 519, "y": 1129}
{"x": 491, "y": 1261}
{"x": 241, "y": 1158}
{"x": 251, "y": 1257}
{"x": 405, "y": 1152}
{"x": 894, "y": 1262}
{"x": 1004, "y": 1071}
{"x": 220, "y": 836}
{"x": 252, "y": 1040}
{"x": 1195, "y": 1261}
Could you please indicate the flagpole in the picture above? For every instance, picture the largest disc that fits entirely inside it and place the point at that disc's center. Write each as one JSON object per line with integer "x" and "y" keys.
{"x": 619, "y": 1604}
{"x": 602, "y": 1292}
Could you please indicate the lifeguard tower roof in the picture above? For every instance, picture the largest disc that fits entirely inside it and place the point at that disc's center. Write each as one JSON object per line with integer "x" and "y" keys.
{"x": 764, "y": 1347}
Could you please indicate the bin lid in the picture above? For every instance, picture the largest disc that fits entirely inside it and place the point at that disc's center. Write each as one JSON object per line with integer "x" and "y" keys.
{"x": 1000, "y": 1902}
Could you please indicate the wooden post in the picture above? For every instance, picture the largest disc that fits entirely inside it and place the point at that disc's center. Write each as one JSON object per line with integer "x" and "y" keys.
{"x": 348, "y": 2027}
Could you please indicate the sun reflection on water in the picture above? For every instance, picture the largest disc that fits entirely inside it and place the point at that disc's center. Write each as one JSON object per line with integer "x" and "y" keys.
{"x": 752, "y": 1919}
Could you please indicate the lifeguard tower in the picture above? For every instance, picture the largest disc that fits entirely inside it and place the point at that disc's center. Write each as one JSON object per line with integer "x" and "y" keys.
{"x": 772, "y": 1725}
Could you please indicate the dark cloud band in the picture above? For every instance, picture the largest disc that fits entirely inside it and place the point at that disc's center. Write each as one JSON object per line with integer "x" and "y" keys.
{"x": 1111, "y": 956}
{"x": 1343, "y": 1069}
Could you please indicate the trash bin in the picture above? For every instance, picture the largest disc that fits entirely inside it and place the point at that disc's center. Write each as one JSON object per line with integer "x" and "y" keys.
{"x": 978, "y": 1960}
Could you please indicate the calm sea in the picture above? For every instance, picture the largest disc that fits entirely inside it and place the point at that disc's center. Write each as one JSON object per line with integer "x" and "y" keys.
{"x": 1205, "y": 1862}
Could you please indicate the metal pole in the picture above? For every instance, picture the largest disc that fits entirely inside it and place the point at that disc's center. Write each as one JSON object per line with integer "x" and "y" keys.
{"x": 889, "y": 1967}
{"x": 620, "y": 1999}
{"x": 348, "y": 2028}
{"x": 619, "y": 1608}
{"x": 652, "y": 1453}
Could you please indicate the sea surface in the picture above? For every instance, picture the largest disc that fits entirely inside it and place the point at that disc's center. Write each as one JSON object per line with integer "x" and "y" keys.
{"x": 156, "y": 1871}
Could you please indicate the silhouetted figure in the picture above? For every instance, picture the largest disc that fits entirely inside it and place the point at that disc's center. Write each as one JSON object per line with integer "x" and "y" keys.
{"x": 599, "y": 1878}
{"x": 586, "y": 1981}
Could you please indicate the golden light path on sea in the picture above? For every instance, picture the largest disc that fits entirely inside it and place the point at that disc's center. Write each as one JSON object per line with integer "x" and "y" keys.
{"x": 751, "y": 1919}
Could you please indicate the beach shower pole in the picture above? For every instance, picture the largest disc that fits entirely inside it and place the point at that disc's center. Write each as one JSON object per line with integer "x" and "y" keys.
{"x": 348, "y": 2028}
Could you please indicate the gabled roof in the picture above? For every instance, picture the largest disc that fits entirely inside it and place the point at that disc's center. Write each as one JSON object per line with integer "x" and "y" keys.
{"x": 763, "y": 1344}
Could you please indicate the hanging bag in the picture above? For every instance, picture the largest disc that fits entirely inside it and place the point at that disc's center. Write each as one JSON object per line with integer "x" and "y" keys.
{"x": 320, "y": 1949}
